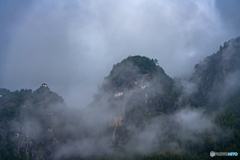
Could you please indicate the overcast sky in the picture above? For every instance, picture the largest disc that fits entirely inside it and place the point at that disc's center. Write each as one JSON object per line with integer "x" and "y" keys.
{"x": 72, "y": 44}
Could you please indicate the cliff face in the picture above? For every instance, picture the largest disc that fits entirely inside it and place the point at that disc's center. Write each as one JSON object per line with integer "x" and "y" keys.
{"x": 137, "y": 103}
{"x": 27, "y": 126}
{"x": 218, "y": 73}
{"x": 136, "y": 89}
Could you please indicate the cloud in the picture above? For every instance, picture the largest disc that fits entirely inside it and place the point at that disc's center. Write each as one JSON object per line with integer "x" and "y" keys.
{"x": 72, "y": 45}
{"x": 86, "y": 133}
{"x": 229, "y": 14}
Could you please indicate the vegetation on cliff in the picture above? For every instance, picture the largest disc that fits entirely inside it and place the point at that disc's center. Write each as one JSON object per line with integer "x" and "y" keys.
{"x": 139, "y": 112}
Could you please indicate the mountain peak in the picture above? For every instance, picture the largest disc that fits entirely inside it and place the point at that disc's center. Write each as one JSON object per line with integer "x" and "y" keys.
{"x": 43, "y": 89}
{"x": 144, "y": 64}
{"x": 44, "y": 93}
{"x": 131, "y": 70}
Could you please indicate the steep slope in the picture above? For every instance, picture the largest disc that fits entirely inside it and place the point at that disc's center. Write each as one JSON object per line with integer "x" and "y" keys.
{"x": 137, "y": 111}
{"x": 138, "y": 75}
{"x": 27, "y": 123}
{"x": 132, "y": 69}
{"x": 137, "y": 89}
{"x": 217, "y": 77}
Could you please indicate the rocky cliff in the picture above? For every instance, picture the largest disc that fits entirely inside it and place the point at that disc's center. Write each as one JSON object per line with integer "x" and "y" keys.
{"x": 138, "y": 110}
{"x": 217, "y": 74}
{"x": 27, "y": 125}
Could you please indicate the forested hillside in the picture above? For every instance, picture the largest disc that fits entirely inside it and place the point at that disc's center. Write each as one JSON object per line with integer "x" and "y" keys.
{"x": 139, "y": 112}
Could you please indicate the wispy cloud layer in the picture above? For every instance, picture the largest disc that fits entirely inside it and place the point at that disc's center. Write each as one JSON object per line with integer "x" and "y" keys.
{"x": 72, "y": 45}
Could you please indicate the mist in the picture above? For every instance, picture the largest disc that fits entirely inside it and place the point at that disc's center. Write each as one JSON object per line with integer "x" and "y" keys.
{"x": 87, "y": 133}
{"x": 72, "y": 45}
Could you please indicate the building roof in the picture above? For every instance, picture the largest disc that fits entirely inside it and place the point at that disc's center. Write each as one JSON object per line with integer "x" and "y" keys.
{"x": 44, "y": 85}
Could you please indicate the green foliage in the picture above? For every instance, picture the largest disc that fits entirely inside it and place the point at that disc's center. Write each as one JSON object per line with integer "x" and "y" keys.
{"x": 12, "y": 102}
{"x": 23, "y": 155}
{"x": 30, "y": 155}
{"x": 15, "y": 107}
{"x": 145, "y": 65}
{"x": 226, "y": 141}
{"x": 228, "y": 119}
{"x": 123, "y": 74}
{"x": 211, "y": 74}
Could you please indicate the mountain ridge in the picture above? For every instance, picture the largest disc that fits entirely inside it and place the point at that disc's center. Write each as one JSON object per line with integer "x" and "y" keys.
{"x": 137, "y": 105}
